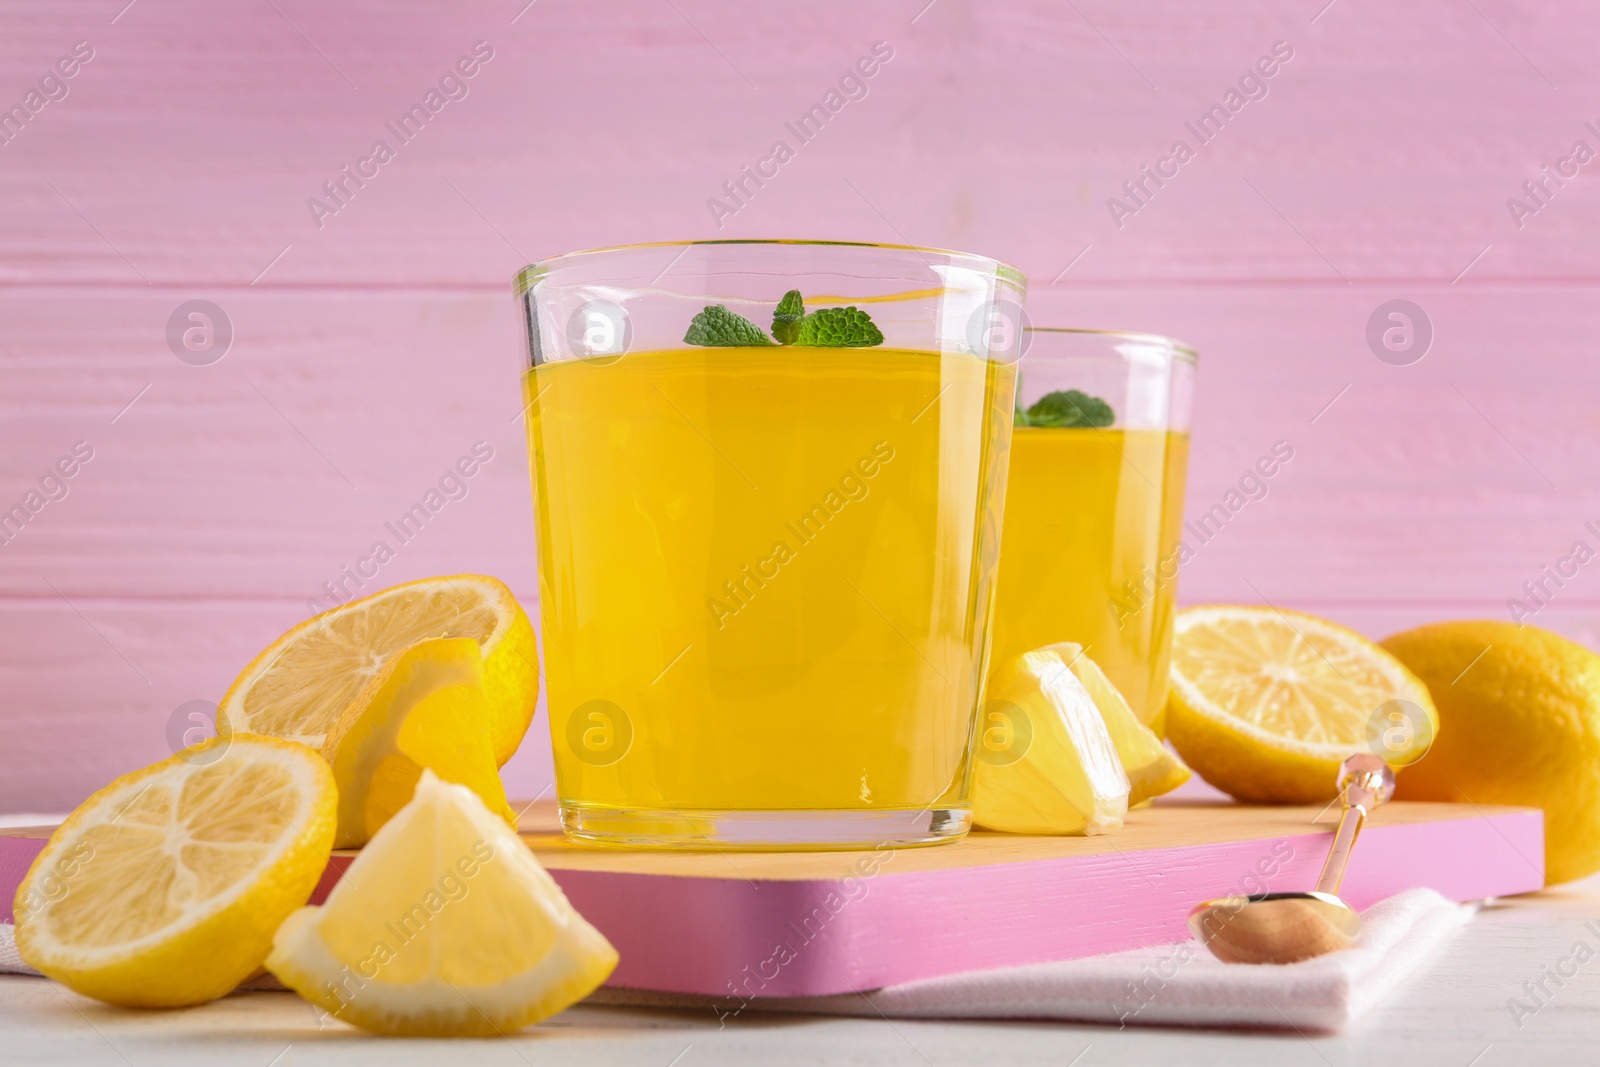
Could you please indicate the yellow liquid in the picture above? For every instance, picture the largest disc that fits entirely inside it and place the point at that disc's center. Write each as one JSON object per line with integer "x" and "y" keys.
{"x": 1092, "y": 525}
{"x": 772, "y": 567}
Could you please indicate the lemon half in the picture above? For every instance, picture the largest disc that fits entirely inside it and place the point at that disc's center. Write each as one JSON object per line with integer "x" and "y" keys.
{"x": 1267, "y": 703}
{"x": 301, "y": 683}
{"x": 165, "y": 887}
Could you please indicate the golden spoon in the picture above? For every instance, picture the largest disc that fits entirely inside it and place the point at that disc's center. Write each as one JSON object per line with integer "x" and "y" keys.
{"x": 1287, "y": 927}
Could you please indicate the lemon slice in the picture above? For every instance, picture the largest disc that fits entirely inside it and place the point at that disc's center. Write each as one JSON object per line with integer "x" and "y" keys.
{"x": 1266, "y": 703}
{"x": 1151, "y": 767}
{"x": 425, "y": 709}
{"x": 298, "y": 687}
{"x": 164, "y": 888}
{"x": 444, "y": 925}
{"x": 1045, "y": 761}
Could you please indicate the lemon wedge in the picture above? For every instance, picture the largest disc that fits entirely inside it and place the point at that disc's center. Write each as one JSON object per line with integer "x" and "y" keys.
{"x": 1266, "y": 703}
{"x": 1151, "y": 767}
{"x": 301, "y": 683}
{"x": 1046, "y": 763}
{"x": 164, "y": 888}
{"x": 425, "y": 709}
{"x": 444, "y": 925}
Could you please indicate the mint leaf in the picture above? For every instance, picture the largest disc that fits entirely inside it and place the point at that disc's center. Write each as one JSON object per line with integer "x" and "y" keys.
{"x": 717, "y": 327}
{"x": 847, "y": 327}
{"x": 1069, "y": 409}
{"x": 786, "y": 319}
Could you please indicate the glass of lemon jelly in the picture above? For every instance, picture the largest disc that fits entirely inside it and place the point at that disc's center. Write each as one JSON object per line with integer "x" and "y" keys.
{"x": 1094, "y": 505}
{"x": 768, "y": 481}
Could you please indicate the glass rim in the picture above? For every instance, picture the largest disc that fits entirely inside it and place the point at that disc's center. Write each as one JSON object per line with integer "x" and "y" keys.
{"x": 1181, "y": 352}
{"x": 527, "y": 276}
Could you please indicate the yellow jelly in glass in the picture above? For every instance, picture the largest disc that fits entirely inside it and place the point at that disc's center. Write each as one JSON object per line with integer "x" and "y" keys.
{"x": 766, "y": 574}
{"x": 1094, "y": 514}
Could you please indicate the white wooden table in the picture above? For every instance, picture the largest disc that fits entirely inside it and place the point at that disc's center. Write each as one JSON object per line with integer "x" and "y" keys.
{"x": 1454, "y": 1013}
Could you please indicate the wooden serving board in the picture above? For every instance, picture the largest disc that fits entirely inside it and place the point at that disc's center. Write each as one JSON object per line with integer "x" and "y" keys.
{"x": 742, "y": 924}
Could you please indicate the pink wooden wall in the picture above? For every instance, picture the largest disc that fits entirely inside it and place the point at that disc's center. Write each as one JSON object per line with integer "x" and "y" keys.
{"x": 373, "y": 350}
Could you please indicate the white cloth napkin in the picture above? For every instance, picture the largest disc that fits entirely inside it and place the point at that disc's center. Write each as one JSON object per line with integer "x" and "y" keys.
{"x": 1170, "y": 985}
{"x": 10, "y": 962}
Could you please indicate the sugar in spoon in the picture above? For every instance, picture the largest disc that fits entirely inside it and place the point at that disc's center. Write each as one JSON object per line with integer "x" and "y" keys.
{"x": 1287, "y": 927}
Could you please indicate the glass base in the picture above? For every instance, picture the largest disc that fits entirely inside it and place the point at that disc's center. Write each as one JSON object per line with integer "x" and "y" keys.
{"x": 763, "y": 831}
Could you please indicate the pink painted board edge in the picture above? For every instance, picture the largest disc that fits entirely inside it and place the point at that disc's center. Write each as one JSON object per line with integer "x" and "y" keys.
{"x": 16, "y": 856}
{"x": 723, "y": 939}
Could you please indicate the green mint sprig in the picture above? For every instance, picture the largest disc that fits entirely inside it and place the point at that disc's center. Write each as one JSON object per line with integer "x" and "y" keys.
{"x": 846, "y": 327}
{"x": 1067, "y": 410}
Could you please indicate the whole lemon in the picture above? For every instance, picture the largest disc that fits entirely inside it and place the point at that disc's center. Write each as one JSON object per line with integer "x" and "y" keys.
{"x": 1519, "y": 723}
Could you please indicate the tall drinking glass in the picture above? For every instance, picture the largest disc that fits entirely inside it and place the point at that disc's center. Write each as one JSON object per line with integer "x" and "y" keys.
{"x": 766, "y": 569}
{"x": 1094, "y": 504}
